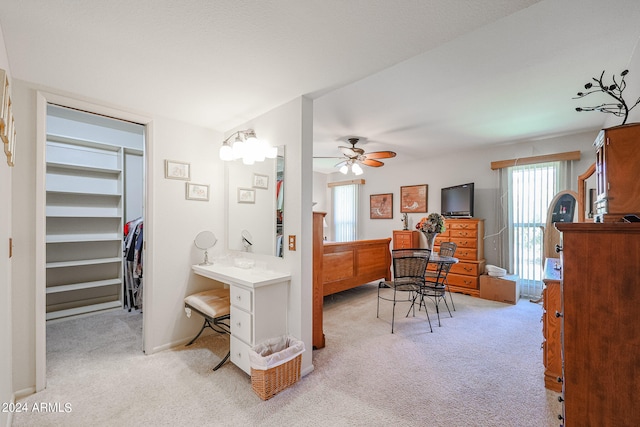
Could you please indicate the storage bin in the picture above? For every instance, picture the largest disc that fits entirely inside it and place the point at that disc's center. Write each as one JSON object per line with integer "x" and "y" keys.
{"x": 275, "y": 365}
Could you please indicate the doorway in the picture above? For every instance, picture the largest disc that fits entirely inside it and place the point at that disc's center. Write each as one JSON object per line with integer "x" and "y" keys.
{"x": 91, "y": 164}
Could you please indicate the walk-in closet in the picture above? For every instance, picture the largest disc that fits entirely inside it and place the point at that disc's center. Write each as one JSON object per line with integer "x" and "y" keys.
{"x": 94, "y": 189}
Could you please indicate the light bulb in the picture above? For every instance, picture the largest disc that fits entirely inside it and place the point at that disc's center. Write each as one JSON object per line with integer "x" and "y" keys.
{"x": 344, "y": 169}
{"x": 356, "y": 169}
{"x": 226, "y": 152}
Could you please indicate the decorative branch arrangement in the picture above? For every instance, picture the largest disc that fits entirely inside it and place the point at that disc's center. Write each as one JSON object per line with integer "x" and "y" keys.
{"x": 619, "y": 108}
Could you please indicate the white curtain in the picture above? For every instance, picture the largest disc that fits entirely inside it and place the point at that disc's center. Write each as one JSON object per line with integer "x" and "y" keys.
{"x": 345, "y": 212}
{"x": 529, "y": 191}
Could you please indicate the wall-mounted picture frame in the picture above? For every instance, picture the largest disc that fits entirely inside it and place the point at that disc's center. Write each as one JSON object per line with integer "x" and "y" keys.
{"x": 381, "y": 206}
{"x": 413, "y": 198}
{"x": 197, "y": 191}
{"x": 246, "y": 195}
{"x": 177, "y": 170}
{"x": 260, "y": 181}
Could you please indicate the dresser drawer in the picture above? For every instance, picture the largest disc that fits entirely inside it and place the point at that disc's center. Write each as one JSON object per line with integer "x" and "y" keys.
{"x": 462, "y": 225}
{"x": 465, "y": 234}
{"x": 240, "y": 354}
{"x": 463, "y": 242}
{"x": 466, "y": 254}
{"x": 241, "y": 298}
{"x": 466, "y": 268}
{"x": 462, "y": 281}
{"x": 241, "y": 325}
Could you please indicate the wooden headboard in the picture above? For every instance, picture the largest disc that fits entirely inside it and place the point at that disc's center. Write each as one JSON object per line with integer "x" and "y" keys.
{"x": 341, "y": 266}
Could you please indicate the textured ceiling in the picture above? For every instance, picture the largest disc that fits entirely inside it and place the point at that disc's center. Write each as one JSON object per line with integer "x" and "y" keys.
{"x": 405, "y": 74}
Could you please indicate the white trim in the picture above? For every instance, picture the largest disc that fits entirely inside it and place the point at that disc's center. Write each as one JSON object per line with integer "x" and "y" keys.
{"x": 43, "y": 98}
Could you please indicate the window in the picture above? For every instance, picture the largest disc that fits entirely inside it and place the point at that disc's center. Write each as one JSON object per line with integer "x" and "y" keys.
{"x": 345, "y": 212}
{"x": 532, "y": 188}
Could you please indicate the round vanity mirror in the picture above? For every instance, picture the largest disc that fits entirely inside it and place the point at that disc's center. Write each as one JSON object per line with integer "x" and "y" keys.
{"x": 247, "y": 240}
{"x": 205, "y": 240}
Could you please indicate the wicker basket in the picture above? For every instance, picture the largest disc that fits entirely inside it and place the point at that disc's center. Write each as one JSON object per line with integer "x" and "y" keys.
{"x": 267, "y": 383}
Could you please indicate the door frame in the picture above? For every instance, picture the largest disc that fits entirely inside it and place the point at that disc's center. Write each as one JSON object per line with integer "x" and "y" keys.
{"x": 44, "y": 98}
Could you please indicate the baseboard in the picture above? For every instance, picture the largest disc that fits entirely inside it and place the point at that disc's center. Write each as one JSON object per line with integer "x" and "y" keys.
{"x": 24, "y": 393}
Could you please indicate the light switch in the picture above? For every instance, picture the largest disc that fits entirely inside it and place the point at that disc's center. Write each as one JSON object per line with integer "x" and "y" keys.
{"x": 292, "y": 243}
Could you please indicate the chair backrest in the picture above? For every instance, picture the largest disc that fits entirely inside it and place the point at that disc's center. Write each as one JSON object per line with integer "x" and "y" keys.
{"x": 448, "y": 248}
{"x": 410, "y": 262}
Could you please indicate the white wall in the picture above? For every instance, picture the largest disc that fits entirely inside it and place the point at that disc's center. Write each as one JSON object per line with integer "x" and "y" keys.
{"x": 291, "y": 125}
{"x": 447, "y": 169}
{"x": 6, "y": 389}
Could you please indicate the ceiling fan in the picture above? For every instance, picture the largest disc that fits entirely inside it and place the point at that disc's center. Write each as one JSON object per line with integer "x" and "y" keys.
{"x": 356, "y": 156}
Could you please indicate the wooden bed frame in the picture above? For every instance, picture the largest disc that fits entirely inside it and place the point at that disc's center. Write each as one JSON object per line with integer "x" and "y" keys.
{"x": 341, "y": 266}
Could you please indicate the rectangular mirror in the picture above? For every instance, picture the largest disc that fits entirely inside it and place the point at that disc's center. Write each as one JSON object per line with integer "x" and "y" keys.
{"x": 255, "y": 205}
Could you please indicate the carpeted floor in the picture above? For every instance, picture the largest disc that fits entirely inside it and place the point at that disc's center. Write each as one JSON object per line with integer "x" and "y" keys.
{"x": 482, "y": 367}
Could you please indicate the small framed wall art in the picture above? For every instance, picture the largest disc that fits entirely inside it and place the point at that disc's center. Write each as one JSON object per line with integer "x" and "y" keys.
{"x": 260, "y": 181}
{"x": 413, "y": 198}
{"x": 177, "y": 170}
{"x": 197, "y": 191}
{"x": 381, "y": 206}
{"x": 246, "y": 195}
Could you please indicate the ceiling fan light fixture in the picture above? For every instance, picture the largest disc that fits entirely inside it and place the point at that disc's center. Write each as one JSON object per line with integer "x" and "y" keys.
{"x": 344, "y": 169}
{"x": 356, "y": 169}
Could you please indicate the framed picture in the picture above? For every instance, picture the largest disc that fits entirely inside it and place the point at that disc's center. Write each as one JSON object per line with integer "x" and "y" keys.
{"x": 177, "y": 170}
{"x": 260, "y": 181}
{"x": 381, "y": 206}
{"x": 413, "y": 198}
{"x": 246, "y": 195}
{"x": 197, "y": 191}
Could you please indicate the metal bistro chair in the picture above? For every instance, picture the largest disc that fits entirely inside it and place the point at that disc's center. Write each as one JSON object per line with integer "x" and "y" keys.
{"x": 409, "y": 267}
{"x": 435, "y": 289}
{"x": 447, "y": 249}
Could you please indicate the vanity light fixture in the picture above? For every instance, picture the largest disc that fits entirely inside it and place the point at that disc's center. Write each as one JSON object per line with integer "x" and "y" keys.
{"x": 247, "y": 147}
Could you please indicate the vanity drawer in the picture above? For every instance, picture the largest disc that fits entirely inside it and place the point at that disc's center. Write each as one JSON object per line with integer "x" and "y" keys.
{"x": 241, "y": 325}
{"x": 241, "y": 298}
{"x": 240, "y": 354}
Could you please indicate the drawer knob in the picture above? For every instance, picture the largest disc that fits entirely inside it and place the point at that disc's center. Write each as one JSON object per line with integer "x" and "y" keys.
{"x": 239, "y": 298}
{"x": 560, "y": 399}
{"x": 559, "y": 379}
{"x": 558, "y": 249}
{"x": 239, "y": 325}
{"x": 558, "y": 314}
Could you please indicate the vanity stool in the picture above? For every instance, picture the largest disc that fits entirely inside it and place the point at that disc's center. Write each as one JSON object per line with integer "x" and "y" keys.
{"x": 214, "y": 306}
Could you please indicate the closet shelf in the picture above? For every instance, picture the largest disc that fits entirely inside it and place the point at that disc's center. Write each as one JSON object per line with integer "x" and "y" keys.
{"x": 83, "y": 285}
{"x": 70, "y": 238}
{"x": 81, "y": 262}
{"x": 80, "y": 215}
{"x": 85, "y": 168}
{"x": 81, "y": 142}
{"x": 82, "y": 310}
{"x": 78, "y": 192}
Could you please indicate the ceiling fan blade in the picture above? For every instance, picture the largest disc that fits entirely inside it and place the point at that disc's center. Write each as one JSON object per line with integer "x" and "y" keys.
{"x": 340, "y": 164}
{"x": 372, "y": 163}
{"x": 380, "y": 155}
{"x": 351, "y": 152}
{"x": 327, "y": 157}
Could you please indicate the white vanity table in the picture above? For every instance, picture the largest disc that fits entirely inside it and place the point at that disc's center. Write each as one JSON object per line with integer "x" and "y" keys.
{"x": 259, "y": 301}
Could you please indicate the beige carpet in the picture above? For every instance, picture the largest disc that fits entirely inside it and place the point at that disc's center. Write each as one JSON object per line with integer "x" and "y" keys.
{"x": 483, "y": 367}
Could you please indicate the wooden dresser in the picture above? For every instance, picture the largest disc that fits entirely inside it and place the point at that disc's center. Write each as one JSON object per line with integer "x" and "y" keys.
{"x": 468, "y": 234}
{"x": 551, "y": 325}
{"x": 406, "y": 239}
{"x": 600, "y": 296}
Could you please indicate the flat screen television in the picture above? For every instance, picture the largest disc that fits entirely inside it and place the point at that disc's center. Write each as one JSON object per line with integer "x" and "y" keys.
{"x": 457, "y": 201}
